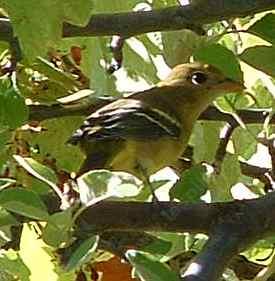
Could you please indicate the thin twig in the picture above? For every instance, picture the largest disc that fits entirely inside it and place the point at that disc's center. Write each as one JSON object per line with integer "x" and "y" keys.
{"x": 227, "y": 132}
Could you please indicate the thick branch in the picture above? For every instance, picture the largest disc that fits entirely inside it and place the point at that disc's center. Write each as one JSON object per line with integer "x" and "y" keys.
{"x": 146, "y": 216}
{"x": 178, "y": 217}
{"x": 232, "y": 226}
{"x": 242, "y": 267}
{"x": 172, "y": 18}
{"x": 217, "y": 252}
{"x": 227, "y": 238}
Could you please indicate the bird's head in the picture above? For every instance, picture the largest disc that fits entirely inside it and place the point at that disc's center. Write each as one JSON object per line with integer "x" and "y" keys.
{"x": 199, "y": 77}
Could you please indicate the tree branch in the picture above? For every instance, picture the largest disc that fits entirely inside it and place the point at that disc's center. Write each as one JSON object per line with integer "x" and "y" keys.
{"x": 232, "y": 226}
{"x": 242, "y": 267}
{"x": 89, "y": 104}
{"x": 179, "y": 217}
{"x": 228, "y": 130}
{"x": 173, "y": 18}
{"x": 227, "y": 238}
{"x": 134, "y": 215}
{"x": 210, "y": 263}
{"x": 247, "y": 116}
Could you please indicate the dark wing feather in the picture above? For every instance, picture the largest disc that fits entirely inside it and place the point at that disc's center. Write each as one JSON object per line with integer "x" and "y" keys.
{"x": 127, "y": 119}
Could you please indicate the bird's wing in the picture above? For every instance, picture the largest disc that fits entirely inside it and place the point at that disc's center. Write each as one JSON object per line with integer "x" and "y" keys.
{"x": 127, "y": 119}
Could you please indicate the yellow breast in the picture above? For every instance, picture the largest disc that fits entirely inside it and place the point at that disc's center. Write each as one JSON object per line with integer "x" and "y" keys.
{"x": 151, "y": 155}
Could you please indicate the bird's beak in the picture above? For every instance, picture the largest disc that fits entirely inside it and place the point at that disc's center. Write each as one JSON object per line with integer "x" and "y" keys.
{"x": 230, "y": 85}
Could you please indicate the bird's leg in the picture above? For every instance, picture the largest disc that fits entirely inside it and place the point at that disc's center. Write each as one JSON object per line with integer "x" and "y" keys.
{"x": 155, "y": 199}
{"x": 145, "y": 177}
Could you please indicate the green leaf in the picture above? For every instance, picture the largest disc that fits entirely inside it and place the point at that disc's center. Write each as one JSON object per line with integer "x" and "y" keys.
{"x": 93, "y": 186}
{"x": 114, "y": 5}
{"x": 146, "y": 192}
{"x": 191, "y": 186}
{"x": 178, "y": 242}
{"x": 38, "y": 33}
{"x": 232, "y": 102}
{"x": 158, "y": 246}
{"x": 149, "y": 269}
{"x": 57, "y": 232}
{"x": 7, "y": 219}
{"x": 41, "y": 172}
{"x": 58, "y": 131}
{"x": 83, "y": 253}
{"x": 97, "y": 185}
{"x": 36, "y": 169}
{"x": 6, "y": 235}
{"x": 23, "y": 202}
{"x": 95, "y": 51}
{"x": 13, "y": 110}
{"x": 264, "y": 28}
{"x": 261, "y": 250}
{"x": 229, "y": 42}
{"x": 144, "y": 65}
{"x": 205, "y": 139}
{"x": 222, "y": 58}
{"x": 264, "y": 98}
{"x": 55, "y": 74}
{"x": 260, "y": 57}
{"x": 245, "y": 140}
{"x": 77, "y": 12}
{"x": 220, "y": 184}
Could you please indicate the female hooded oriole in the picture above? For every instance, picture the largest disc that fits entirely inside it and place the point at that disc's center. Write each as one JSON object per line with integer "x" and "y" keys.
{"x": 149, "y": 130}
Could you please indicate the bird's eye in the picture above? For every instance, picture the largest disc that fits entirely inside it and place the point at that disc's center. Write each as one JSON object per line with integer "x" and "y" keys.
{"x": 198, "y": 78}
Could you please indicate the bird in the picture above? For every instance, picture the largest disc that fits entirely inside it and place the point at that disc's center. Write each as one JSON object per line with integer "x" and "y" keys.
{"x": 148, "y": 130}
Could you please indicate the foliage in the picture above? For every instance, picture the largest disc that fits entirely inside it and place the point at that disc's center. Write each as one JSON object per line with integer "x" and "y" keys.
{"x": 36, "y": 161}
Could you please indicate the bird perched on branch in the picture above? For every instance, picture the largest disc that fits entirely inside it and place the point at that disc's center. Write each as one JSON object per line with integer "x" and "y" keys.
{"x": 149, "y": 130}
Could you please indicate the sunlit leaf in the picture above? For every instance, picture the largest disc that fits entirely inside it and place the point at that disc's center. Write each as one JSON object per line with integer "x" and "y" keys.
{"x": 97, "y": 185}
{"x": 13, "y": 267}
